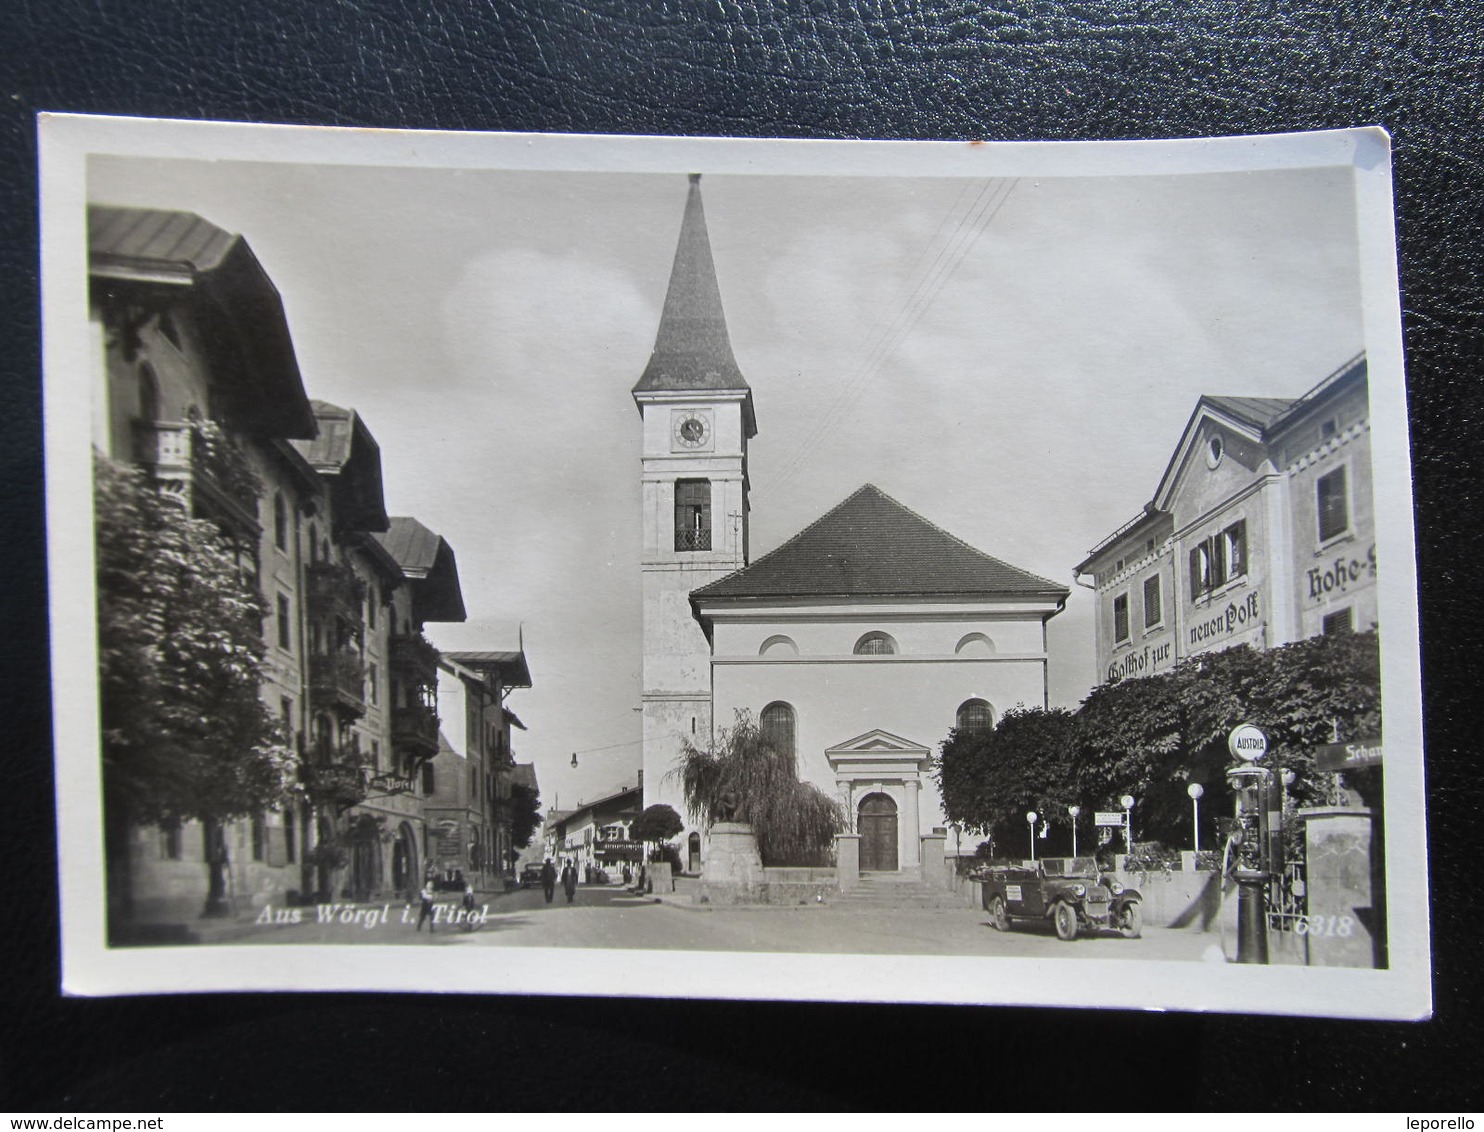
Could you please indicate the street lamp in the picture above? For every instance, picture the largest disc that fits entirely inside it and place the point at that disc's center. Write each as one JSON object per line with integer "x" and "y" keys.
{"x": 1030, "y": 818}
{"x": 1074, "y": 811}
{"x": 1195, "y": 790}
{"x": 1128, "y": 820}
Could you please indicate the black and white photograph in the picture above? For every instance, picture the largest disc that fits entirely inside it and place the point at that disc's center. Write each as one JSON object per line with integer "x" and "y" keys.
{"x": 848, "y": 571}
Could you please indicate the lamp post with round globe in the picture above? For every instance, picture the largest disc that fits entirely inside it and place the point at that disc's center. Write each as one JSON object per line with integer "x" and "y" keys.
{"x": 1074, "y": 811}
{"x": 1030, "y": 821}
{"x": 1127, "y": 801}
{"x": 1195, "y": 790}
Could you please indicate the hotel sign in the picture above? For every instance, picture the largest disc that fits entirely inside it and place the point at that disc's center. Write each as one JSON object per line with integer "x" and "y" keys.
{"x": 1348, "y": 756}
{"x": 1110, "y": 818}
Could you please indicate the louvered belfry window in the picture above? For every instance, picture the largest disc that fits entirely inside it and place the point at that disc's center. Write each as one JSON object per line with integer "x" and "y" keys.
{"x": 692, "y": 514}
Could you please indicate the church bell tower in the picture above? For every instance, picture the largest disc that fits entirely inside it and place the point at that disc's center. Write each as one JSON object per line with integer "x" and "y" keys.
{"x": 697, "y": 419}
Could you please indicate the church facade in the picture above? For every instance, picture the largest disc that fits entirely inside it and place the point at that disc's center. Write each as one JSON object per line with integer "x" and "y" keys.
{"x": 858, "y": 644}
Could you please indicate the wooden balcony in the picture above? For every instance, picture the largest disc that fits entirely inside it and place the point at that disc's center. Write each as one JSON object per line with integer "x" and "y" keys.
{"x": 338, "y": 681}
{"x": 199, "y": 466}
{"x": 414, "y": 659}
{"x": 335, "y": 589}
{"x": 415, "y": 731}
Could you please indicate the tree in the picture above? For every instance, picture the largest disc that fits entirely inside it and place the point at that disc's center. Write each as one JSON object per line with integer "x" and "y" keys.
{"x": 1152, "y": 737}
{"x": 186, "y": 736}
{"x": 990, "y": 778}
{"x": 744, "y": 778}
{"x": 525, "y": 815}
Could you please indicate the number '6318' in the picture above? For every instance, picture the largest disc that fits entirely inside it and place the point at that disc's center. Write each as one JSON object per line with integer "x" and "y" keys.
{"x": 1342, "y": 926}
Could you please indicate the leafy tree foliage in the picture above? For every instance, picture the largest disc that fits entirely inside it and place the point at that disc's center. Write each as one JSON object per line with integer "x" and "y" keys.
{"x": 1153, "y": 736}
{"x": 657, "y": 823}
{"x": 991, "y": 778}
{"x": 744, "y": 778}
{"x": 185, "y": 733}
{"x": 525, "y": 815}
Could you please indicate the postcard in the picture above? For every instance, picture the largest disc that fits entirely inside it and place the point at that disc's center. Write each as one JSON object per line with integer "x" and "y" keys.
{"x": 934, "y": 572}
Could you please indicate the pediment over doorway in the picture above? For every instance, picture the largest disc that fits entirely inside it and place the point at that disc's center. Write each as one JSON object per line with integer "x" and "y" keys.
{"x": 875, "y": 753}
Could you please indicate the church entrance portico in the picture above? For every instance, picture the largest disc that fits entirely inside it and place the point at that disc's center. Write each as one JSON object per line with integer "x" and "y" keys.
{"x": 879, "y": 779}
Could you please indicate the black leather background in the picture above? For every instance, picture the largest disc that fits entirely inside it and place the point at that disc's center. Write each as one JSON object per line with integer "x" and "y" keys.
{"x": 876, "y": 68}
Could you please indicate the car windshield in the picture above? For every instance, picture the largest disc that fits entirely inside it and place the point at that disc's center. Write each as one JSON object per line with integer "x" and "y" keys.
{"x": 1081, "y": 867}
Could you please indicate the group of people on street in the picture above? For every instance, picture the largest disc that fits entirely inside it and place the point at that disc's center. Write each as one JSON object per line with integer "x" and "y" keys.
{"x": 427, "y": 899}
{"x": 549, "y": 880}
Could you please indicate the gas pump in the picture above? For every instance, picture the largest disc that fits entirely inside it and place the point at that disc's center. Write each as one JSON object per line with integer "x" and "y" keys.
{"x": 1250, "y": 842}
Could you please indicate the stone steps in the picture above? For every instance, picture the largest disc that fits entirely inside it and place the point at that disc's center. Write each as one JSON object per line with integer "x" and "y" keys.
{"x": 893, "y": 893}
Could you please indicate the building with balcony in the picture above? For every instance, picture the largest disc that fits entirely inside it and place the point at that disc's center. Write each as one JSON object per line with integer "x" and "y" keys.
{"x": 197, "y": 384}
{"x": 476, "y": 776}
{"x": 595, "y": 835}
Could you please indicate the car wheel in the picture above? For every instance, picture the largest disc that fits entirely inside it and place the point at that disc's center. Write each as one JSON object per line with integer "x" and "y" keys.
{"x": 1065, "y": 918}
{"x": 1132, "y": 925}
{"x": 999, "y": 916}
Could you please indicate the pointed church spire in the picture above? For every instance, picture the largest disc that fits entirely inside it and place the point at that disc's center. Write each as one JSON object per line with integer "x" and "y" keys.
{"x": 692, "y": 349}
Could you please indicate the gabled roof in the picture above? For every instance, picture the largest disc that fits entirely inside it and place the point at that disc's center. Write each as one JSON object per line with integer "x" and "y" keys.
{"x": 871, "y": 546}
{"x": 692, "y": 349}
{"x": 514, "y": 671}
{"x": 1262, "y": 418}
{"x": 256, "y": 380}
{"x": 428, "y": 563}
{"x": 348, "y": 457}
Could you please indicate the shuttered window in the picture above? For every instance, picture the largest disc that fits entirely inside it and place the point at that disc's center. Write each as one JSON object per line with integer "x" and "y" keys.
{"x": 1334, "y": 505}
{"x": 1153, "y": 612}
{"x": 1120, "y": 617}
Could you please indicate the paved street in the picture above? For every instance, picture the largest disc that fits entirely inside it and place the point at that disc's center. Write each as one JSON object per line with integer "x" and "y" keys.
{"x": 611, "y": 918}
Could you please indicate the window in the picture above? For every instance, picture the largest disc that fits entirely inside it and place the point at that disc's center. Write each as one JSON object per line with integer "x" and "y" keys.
{"x": 376, "y": 756}
{"x": 427, "y": 778}
{"x": 777, "y": 724}
{"x": 371, "y": 607}
{"x": 692, "y": 514}
{"x": 285, "y": 624}
{"x": 779, "y": 646}
{"x": 170, "y": 843}
{"x": 288, "y": 835}
{"x": 257, "y": 837}
{"x": 1337, "y": 623}
{"x": 286, "y": 709}
{"x": 1218, "y": 559}
{"x": 975, "y": 715}
{"x": 313, "y": 543}
{"x": 1153, "y": 613}
{"x": 875, "y": 644}
{"x": 1120, "y": 617}
{"x": 373, "y": 679}
{"x": 1334, "y": 505}
{"x": 280, "y": 522}
{"x": 1232, "y": 549}
{"x": 974, "y": 644}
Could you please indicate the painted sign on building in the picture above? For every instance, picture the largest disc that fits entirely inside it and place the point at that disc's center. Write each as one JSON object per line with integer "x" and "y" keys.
{"x": 1236, "y": 617}
{"x": 1340, "y": 575}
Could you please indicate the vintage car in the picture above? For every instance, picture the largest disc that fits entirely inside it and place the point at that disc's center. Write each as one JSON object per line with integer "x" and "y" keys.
{"x": 1071, "y": 892}
{"x": 530, "y": 876}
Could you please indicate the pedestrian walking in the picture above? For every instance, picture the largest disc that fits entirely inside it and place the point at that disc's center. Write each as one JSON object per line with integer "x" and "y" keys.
{"x": 426, "y": 911}
{"x": 548, "y": 879}
{"x": 569, "y": 881}
{"x": 468, "y": 906}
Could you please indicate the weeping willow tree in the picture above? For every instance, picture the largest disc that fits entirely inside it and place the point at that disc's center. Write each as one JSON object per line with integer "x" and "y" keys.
{"x": 744, "y": 778}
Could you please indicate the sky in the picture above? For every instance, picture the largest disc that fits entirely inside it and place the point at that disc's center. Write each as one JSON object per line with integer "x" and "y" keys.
{"x": 1013, "y": 359}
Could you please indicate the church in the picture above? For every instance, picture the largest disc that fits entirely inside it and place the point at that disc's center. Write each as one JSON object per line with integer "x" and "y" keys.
{"x": 859, "y": 643}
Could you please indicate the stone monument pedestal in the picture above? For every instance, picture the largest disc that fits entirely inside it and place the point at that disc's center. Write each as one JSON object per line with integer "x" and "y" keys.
{"x": 732, "y": 869}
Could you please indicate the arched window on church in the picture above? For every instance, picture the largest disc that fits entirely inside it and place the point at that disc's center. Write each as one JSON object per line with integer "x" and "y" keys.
{"x": 692, "y": 514}
{"x": 975, "y": 715}
{"x": 975, "y": 644}
{"x": 779, "y": 645}
{"x": 875, "y": 644}
{"x": 777, "y": 726}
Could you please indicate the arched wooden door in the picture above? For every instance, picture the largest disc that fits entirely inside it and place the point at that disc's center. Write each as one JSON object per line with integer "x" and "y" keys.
{"x": 877, "y": 827}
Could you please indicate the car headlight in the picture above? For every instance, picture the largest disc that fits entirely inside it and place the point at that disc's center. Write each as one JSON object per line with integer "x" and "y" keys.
{"x": 1114, "y": 887}
{"x": 1079, "y": 890}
